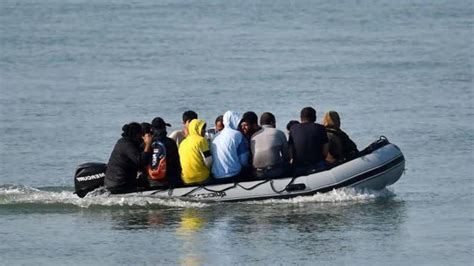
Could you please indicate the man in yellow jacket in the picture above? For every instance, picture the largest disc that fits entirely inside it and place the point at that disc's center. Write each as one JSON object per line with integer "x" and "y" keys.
{"x": 194, "y": 154}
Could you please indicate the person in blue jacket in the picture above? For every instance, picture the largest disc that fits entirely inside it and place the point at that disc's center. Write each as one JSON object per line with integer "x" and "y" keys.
{"x": 230, "y": 154}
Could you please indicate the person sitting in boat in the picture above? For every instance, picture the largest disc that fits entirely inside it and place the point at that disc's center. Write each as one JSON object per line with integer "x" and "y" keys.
{"x": 341, "y": 147}
{"x": 229, "y": 150}
{"x": 219, "y": 123}
{"x": 194, "y": 154}
{"x": 179, "y": 135}
{"x": 146, "y": 128}
{"x": 308, "y": 144}
{"x": 269, "y": 149}
{"x": 164, "y": 169}
{"x": 127, "y": 159}
{"x": 218, "y": 126}
{"x": 290, "y": 124}
{"x": 249, "y": 124}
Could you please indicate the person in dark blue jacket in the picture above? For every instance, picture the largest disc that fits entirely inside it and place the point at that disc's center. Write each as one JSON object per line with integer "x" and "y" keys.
{"x": 308, "y": 144}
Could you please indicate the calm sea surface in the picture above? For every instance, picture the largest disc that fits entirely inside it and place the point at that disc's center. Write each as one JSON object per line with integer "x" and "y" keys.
{"x": 72, "y": 72}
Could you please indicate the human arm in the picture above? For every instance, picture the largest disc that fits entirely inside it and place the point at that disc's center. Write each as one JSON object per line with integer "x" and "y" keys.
{"x": 147, "y": 140}
{"x": 284, "y": 147}
{"x": 243, "y": 152}
{"x": 138, "y": 157}
{"x": 177, "y": 136}
{"x": 205, "y": 153}
{"x": 330, "y": 158}
{"x": 291, "y": 149}
{"x": 325, "y": 142}
{"x": 325, "y": 150}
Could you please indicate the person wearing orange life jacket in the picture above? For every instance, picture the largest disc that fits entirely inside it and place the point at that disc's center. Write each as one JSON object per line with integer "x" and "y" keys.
{"x": 194, "y": 154}
{"x": 164, "y": 169}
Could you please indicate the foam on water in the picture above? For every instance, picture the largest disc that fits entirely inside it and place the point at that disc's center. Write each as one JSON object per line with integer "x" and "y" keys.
{"x": 15, "y": 194}
{"x": 342, "y": 195}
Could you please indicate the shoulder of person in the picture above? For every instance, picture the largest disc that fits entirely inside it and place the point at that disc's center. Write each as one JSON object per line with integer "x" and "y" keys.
{"x": 168, "y": 139}
{"x": 280, "y": 132}
{"x": 203, "y": 142}
{"x": 259, "y": 132}
{"x": 170, "y": 142}
{"x": 176, "y": 133}
{"x": 125, "y": 142}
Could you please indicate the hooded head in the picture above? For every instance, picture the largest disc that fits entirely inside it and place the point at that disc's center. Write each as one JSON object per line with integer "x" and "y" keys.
{"x": 231, "y": 120}
{"x": 196, "y": 126}
{"x": 133, "y": 132}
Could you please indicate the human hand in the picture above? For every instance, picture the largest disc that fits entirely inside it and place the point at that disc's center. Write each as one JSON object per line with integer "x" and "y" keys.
{"x": 147, "y": 139}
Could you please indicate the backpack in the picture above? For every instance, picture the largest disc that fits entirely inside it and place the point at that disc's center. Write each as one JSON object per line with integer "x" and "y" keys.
{"x": 157, "y": 169}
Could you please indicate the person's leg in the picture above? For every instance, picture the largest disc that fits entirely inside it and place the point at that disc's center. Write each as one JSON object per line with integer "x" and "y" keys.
{"x": 142, "y": 181}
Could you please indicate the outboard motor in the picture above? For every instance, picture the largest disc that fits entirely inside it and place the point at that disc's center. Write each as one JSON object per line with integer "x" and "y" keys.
{"x": 88, "y": 177}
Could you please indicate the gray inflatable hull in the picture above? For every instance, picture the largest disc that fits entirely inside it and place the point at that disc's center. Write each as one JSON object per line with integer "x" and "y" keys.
{"x": 373, "y": 171}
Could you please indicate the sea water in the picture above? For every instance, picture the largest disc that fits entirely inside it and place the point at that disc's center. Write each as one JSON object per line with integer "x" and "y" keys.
{"x": 72, "y": 72}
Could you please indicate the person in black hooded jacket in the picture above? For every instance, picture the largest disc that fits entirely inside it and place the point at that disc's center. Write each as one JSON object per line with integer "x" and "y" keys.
{"x": 127, "y": 159}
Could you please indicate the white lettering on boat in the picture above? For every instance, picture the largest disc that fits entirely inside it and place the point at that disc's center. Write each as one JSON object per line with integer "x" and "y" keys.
{"x": 209, "y": 195}
{"x": 90, "y": 177}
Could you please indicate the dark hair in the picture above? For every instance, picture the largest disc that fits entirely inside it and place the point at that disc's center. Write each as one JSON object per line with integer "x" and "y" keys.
{"x": 267, "y": 118}
{"x": 131, "y": 130}
{"x": 290, "y": 124}
{"x": 219, "y": 119}
{"x": 250, "y": 117}
{"x": 146, "y": 128}
{"x": 189, "y": 115}
{"x": 308, "y": 114}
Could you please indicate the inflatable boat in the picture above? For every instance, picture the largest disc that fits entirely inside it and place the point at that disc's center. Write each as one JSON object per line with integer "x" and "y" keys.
{"x": 379, "y": 165}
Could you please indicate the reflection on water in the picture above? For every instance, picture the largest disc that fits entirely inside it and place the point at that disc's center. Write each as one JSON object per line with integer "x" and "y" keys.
{"x": 323, "y": 227}
{"x": 256, "y": 231}
{"x": 183, "y": 224}
{"x": 191, "y": 222}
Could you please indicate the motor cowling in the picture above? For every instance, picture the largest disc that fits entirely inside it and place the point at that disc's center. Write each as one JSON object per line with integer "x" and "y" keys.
{"x": 88, "y": 177}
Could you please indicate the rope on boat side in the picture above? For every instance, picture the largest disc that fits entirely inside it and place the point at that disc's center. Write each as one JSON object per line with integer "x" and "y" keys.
{"x": 286, "y": 187}
{"x": 245, "y": 188}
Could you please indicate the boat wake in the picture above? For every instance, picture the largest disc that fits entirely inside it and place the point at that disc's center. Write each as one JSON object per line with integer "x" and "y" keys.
{"x": 18, "y": 195}
{"x": 24, "y": 195}
{"x": 342, "y": 195}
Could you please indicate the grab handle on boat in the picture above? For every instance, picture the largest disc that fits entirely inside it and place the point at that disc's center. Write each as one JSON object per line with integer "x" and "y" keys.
{"x": 295, "y": 187}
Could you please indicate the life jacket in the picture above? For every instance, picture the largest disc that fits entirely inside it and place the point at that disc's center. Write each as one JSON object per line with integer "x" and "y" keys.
{"x": 157, "y": 169}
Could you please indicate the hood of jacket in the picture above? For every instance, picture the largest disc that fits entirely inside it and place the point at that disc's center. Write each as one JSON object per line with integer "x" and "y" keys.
{"x": 231, "y": 120}
{"x": 195, "y": 127}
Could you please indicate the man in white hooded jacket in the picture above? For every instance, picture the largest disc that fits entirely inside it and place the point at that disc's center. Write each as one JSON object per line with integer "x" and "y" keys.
{"x": 229, "y": 150}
